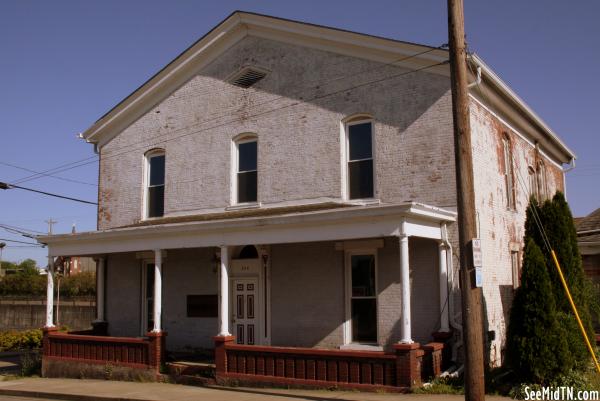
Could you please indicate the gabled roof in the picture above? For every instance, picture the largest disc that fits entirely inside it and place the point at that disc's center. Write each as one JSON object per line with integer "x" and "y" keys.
{"x": 240, "y": 24}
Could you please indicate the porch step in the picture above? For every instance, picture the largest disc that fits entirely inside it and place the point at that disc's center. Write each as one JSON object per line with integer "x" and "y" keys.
{"x": 188, "y": 368}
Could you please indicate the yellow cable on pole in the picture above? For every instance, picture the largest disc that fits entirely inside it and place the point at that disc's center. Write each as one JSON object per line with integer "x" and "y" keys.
{"x": 564, "y": 283}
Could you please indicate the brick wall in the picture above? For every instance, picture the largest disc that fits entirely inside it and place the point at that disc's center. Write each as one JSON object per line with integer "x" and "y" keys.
{"x": 123, "y": 295}
{"x": 500, "y": 228}
{"x": 307, "y": 287}
{"x": 299, "y": 145}
{"x": 188, "y": 272}
{"x": 307, "y": 278}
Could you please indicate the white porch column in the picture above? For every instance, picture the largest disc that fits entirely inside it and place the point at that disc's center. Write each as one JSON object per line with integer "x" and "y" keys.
{"x": 50, "y": 293}
{"x": 224, "y": 293}
{"x": 157, "y": 290}
{"x": 405, "y": 327}
{"x": 100, "y": 276}
{"x": 444, "y": 301}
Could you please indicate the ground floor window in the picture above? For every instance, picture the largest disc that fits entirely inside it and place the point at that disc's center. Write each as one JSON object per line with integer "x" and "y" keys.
{"x": 363, "y": 298}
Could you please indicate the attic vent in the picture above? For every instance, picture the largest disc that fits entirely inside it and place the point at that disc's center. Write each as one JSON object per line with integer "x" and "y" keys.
{"x": 248, "y": 77}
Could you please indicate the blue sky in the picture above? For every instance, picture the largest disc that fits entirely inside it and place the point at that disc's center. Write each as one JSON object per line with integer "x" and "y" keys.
{"x": 65, "y": 63}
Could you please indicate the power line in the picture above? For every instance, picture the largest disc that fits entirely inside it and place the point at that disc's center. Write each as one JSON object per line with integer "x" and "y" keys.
{"x": 47, "y": 175}
{"x": 295, "y": 103}
{"x": 18, "y": 230}
{"x": 319, "y": 97}
{"x": 4, "y": 185}
{"x": 52, "y": 170}
{"x": 20, "y": 242}
{"x": 86, "y": 161}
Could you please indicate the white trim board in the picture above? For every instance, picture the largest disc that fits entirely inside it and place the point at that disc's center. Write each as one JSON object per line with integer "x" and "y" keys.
{"x": 338, "y": 224}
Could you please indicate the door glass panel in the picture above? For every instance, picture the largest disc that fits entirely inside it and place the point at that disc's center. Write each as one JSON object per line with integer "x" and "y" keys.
{"x": 240, "y": 306}
{"x": 240, "y": 334}
{"x": 250, "y": 299}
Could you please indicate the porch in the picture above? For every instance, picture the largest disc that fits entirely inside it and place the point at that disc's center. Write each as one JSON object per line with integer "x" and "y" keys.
{"x": 321, "y": 298}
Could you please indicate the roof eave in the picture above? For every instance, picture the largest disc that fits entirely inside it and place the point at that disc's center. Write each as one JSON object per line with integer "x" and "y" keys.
{"x": 506, "y": 91}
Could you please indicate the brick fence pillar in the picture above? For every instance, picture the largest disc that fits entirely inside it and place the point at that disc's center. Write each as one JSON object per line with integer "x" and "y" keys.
{"x": 46, "y": 347}
{"x": 408, "y": 364}
{"x": 157, "y": 348}
{"x": 432, "y": 360}
{"x": 446, "y": 339}
{"x": 221, "y": 354}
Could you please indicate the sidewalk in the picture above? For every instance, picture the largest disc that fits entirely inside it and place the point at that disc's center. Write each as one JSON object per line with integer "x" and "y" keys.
{"x": 101, "y": 390}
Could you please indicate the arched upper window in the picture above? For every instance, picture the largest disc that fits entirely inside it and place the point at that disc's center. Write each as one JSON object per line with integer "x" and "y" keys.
{"x": 360, "y": 180}
{"x": 245, "y": 169}
{"x": 508, "y": 172}
{"x": 533, "y": 186}
{"x": 541, "y": 180}
{"x": 154, "y": 194}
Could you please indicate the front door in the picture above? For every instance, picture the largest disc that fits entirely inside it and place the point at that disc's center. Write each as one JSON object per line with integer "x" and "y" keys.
{"x": 245, "y": 310}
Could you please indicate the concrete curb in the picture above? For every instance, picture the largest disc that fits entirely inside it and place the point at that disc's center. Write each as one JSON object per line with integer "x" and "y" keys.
{"x": 66, "y": 397}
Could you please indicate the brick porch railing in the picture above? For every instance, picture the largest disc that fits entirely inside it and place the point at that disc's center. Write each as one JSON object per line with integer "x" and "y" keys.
{"x": 309, "y": 367}
{"x": 140, "y": 353}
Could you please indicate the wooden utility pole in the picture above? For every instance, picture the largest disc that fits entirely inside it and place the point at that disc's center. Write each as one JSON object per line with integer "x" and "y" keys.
{"x": 467, "y": 230}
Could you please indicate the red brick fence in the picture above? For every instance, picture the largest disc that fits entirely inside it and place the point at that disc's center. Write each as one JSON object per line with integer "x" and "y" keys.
{"x": 363, "y": 370}
{"x": 138, "y": 353}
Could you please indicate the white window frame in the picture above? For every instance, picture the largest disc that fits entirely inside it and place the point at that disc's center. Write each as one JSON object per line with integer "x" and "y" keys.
{"x": 345, "y": 157}
{"x": 146, "y": 181}
{"x": 542, "y": 180}
{"x": 235, "y": 159}
{"x": 508, "y": 172}
{"x": 347, "y": 326}
{"x": 515, "y": 264}
{"x": 533, "y": 186}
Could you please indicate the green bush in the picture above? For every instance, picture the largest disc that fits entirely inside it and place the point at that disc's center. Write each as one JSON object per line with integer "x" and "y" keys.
{"x": 536, "y": 347}
{"x": 78, "y": 284}
{"x": 25, "y": 283}
{"x": 18, "y": 340}
{"x": 31, "y": 364}
{"x": 543, "y": 340}
{"x": 557, "y": 221}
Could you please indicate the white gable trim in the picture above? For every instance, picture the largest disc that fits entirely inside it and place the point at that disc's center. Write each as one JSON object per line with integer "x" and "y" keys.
{"x": 233, "y": 29}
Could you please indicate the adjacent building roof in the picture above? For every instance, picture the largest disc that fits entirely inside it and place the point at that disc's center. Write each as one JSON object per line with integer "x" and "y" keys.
{"x": 588, "y": 227}
{"x": 241, "y": 24}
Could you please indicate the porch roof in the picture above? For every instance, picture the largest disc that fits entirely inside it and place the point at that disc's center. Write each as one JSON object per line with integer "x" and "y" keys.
{"x": 354, "y": 222}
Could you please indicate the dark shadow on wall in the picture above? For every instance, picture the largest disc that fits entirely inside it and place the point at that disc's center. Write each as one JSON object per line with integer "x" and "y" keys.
{"x": 507, "y": 294}
{"x": 338, "y": 83}
{"x": 307, "y": 295}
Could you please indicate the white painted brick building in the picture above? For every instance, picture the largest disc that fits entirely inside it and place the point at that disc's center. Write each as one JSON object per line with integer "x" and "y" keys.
{"x": 335, "y": 257}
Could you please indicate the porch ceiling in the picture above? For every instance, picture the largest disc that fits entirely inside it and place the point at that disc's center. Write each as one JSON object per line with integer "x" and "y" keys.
{"x": 413, "y": 219}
